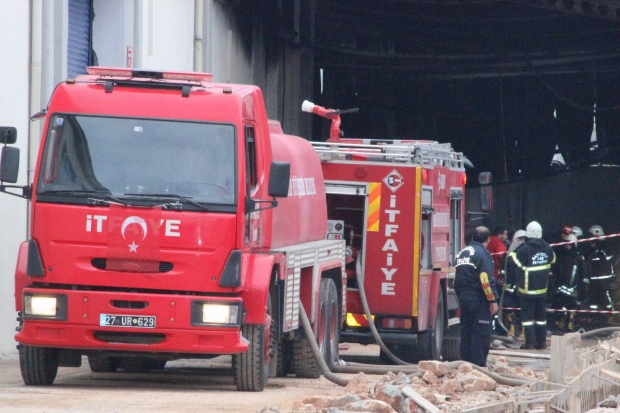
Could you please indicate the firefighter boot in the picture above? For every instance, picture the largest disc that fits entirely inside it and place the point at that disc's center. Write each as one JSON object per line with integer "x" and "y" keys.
{"x": 541, "y": 336}
{"x": 571, "y": 322}
{"x": 509, "y": 323}
{"x": 530, "y": 336}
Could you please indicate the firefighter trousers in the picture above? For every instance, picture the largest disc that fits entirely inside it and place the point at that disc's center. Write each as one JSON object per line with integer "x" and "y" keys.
{"x": 534, "y": 321}
{"x": 476, "y": 328}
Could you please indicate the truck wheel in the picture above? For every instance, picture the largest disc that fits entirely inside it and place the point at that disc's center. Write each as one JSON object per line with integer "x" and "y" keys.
{"x": 38, "y": 365}
{"x": 333, "y": 323}
{"x": 450, "y": 349}
{"x": 102, "y": 364}
{"x": 251, "y": 369}
{"x": 430, "y": 343}
{"x": 304, "y": 363}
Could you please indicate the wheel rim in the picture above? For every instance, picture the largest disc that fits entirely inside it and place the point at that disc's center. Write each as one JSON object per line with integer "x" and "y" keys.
{"x": 321, "y": 330}
{"x": 333, "y": 325}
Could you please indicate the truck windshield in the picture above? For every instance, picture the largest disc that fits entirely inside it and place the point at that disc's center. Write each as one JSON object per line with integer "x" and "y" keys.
{"x": 128, "y": 158}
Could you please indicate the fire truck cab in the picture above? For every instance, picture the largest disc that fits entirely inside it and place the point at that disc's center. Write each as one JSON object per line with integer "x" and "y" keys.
{"x": 170, "y": 219}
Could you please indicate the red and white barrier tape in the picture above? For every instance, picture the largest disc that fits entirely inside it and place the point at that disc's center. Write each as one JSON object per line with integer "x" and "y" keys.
{"x": 570, "y": 242}
{"x": 563, "y": 310}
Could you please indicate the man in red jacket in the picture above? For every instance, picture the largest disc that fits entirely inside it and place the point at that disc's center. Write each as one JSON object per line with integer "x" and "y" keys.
{"x": 497, "y": 248}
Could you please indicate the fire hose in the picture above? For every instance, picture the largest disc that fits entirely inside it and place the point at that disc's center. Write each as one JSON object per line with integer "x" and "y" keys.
{"x": 378, "y": 369}
{"x": 403, "y": 366}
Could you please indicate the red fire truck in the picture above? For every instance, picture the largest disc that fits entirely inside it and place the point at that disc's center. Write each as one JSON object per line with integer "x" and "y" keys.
{"x": 400, "y": 207}
{"x": 170, "y": 219}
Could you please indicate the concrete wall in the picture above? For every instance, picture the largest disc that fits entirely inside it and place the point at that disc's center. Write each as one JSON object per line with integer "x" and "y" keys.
{"x": 241, "y": 45}
{"x": 14, "y": 43}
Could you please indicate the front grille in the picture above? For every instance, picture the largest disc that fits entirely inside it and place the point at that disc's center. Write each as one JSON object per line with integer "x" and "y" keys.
{"x": 100, "y": 263}
{"x": 129, "y": 338}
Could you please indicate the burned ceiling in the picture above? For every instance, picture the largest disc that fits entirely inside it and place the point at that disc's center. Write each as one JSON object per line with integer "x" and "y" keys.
{"x": 506, "y": 82}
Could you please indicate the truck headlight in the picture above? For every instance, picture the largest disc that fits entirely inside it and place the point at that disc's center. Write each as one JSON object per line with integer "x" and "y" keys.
{"x": 45, "y": 306}
{"x": 216, "y": 313}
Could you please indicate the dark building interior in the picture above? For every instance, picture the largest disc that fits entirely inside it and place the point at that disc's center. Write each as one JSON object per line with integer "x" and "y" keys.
{"x": 503, "y": 81}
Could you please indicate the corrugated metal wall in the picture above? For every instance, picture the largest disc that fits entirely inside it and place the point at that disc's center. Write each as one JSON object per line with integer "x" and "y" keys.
{"x": 79, "y": 47}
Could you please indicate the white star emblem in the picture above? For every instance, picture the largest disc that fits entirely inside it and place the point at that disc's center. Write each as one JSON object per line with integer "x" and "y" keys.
{"x": 133, "y": 247}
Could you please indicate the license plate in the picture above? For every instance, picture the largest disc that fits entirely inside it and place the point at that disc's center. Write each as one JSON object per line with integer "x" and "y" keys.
{"x": 116, "y": 320}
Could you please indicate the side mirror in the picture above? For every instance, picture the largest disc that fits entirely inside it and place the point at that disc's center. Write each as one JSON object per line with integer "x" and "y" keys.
{"x": 486, "y": 191}
{"x": 8, "y": 135}
{"x": 279, "y": 177}
{"x": 9, "y": 164}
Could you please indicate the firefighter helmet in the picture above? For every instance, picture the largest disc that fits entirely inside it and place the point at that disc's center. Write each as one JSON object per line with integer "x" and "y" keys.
{"x": 533, "y": 230}
{"x": 578, "y": 232}
{"x": 570, "y": 238}
{"x": 596, "y": 230}
{"x": 519, "y": 234}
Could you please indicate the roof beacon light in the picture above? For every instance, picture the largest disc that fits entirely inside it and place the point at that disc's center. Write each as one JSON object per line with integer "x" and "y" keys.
{"x": 149, "y": 74}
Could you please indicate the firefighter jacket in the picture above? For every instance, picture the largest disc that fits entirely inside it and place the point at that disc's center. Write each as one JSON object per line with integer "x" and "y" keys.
{"x": 569, "y": 273}
{"x": 510, "y": 285}
{"x": 533, "y": 260}
{"x": 600, "y": 265}
{"x": 474, "y": 273}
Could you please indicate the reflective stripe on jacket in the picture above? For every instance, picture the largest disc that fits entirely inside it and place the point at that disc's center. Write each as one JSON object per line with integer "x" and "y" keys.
{"x": 533, "y": 260}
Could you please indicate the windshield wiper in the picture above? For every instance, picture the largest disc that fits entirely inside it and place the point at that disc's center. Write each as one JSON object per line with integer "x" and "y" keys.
{"x": 105, "y": 197}
{"x": 174, "y": 196}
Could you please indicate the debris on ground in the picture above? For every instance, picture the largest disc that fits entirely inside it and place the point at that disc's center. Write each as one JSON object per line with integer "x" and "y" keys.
{"x": 449, "y": 390}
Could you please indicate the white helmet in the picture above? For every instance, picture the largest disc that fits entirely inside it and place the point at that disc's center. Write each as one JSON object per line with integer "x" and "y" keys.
{"x": 533, "y": 230}
{"x": 578, "y": 232}
{"x": 596, "y": 230}
{"x": 570, "y": 238}
{"x": 519, "y": 234}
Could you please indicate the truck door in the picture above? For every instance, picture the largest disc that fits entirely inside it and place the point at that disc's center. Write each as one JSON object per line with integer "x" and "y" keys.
{"x": 252, "y": 219}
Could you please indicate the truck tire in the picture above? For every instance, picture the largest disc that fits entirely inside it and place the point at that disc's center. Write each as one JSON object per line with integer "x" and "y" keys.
{"x": 38, "y": 365}
{"x": 333, "y": 323}
{"x": 304, "y": 363}
{"x": 451, "y": 348}
{"x": 102, "y": 364}
{"x": 430, "y": 342}
{"x": 251, "y": 369}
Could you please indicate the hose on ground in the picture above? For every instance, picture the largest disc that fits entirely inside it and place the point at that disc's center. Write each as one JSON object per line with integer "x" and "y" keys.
{"x": 394, "y": 369}
{"x": 599, "y": 331}
{"x": 371, "y": 323}
{"x": 317, "y": 352}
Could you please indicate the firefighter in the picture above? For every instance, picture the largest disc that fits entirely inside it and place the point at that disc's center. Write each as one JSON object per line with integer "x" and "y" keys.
{"x": 511, "y": 300}
{"x": 476, "y": 291}
{"x": 533, "y": 261}
{"x": 601, "y": 271}
{"x": 569, "y": 271}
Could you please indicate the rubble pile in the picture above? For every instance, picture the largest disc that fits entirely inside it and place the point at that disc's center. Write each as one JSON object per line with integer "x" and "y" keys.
{"x": 449, "y": 390}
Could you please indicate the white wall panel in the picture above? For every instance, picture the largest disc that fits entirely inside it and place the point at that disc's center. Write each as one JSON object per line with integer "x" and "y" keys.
{"x": 14, "y": 83}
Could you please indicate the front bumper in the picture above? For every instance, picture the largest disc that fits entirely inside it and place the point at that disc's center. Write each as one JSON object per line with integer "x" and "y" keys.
{"x": 173, "y": 333}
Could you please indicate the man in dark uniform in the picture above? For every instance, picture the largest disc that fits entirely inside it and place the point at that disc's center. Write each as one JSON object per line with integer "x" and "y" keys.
{"x": 533, "y": 260}
{"x": 476, "y": 291}
{"x": 569, "y": 289}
